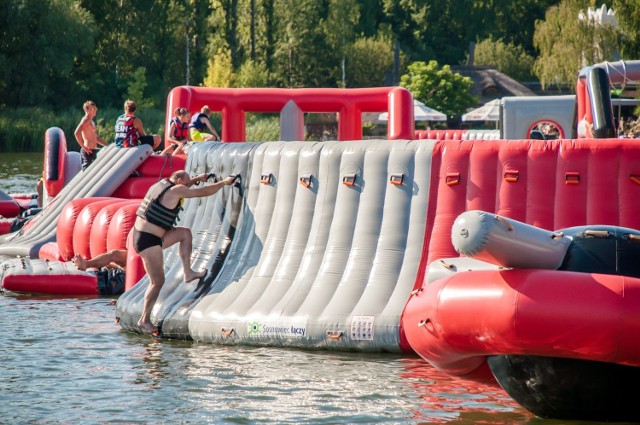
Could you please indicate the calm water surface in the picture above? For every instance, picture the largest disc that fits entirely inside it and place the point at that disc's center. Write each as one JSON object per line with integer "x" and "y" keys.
{"x": 64, "y": 360}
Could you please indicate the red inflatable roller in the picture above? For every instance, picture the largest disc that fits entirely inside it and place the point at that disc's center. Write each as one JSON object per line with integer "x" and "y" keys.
{"x": 9, "y": 207}
{"x": 120, "y": 226}
{"x": 100, "y": 227}
{"x": 135, "y": 187}
{"x": 5, "y": 226}
{"x": 55, "y": 152}
{"x": 456, "y": 322}
{"x": 50, "y": 251}
{"x": 82, "y": 230}
{"x": 67, "y": 222}
{"x": 159, "y": 166}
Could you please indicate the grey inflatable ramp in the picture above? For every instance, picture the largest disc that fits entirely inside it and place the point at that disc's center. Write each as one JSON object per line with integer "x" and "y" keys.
{"x": 320, "y": 250}
{"x": 106, "y": 174}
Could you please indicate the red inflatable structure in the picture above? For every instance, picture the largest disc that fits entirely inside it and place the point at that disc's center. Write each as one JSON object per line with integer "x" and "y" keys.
{"x": 349, "y": 103}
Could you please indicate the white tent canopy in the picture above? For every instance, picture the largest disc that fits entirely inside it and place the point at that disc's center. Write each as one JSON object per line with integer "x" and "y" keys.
{"x": 490, "y": 111}
{"x": 421, "y": 112}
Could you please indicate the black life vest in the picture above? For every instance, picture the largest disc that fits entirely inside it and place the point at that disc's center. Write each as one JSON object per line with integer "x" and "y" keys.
{"x": 153, "y": 211}
{"x": 196, "y": 123}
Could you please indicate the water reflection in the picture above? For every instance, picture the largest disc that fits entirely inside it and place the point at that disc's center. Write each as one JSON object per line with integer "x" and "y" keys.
{"x": 20, "y": 171}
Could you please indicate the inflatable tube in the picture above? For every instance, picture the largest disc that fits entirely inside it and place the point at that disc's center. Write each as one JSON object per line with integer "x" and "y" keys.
{"x": 120, "y": 226}
{"x": 67, "y": 223}
{"x": 100, "y": 228}
{"x": 5, "y": 226}
{"x": 112, "y": 167}
{"x": 135, "y": 187}
{"x": 9, "y": 207}
{"x": 48, "y": 277}
{"x": 547, "y": 313}
{"x": 159, "y": 166}
{"x": 50, "y": 251}
{"x": 55, "y": 151}
{"x": 601, "y": 109}
{"x": 58, "y": 278}
{"x": 81, "y": 230}
{"x": 508, "y": 243}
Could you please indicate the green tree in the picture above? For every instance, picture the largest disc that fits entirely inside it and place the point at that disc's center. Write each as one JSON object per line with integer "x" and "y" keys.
{"x": 338, "y": 28}
{"x": 39, "y": 43}
{"x": 567, "y": 44}
{"x": 368, "y": 61}
{"x": 220, "y": 72}
{"x": 505, "y": 57}
{"x": 628, "y": 15}
{"x": 513, "y": 21}
{"x": 371, "y": 17}
{"x": 252, "y": 74}
{"x": 440, "y": 88}
{"x": 302, "y": 57}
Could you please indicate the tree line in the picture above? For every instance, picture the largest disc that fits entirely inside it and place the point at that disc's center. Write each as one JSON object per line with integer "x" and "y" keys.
{"x": 58, "y": 53}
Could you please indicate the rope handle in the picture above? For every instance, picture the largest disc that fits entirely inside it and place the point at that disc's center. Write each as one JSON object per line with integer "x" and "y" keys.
{"x": 508, "y": 225}
{"x": 334, "y": 334}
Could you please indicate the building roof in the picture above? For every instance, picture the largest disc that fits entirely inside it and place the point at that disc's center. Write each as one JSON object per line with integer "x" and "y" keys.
{"x": 489, "y": 83}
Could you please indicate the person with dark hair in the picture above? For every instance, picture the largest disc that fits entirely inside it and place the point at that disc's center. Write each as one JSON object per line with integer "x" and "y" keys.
{"x": 199, "y": 123}
{"x": 536, "y": 135}
{"x": 129, "y": 129}
{"x": 154, "y": 231}
{"x": 86, "y": 134}
{"x": 178, "y": 132}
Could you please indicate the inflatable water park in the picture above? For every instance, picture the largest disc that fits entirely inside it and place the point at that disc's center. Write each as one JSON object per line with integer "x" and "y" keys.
{"x": 492, "y": 255}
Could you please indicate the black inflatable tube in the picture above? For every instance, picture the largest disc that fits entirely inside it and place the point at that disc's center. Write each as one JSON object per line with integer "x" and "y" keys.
{"x": 601, "y": 109}
{"x": 53, "y": 153}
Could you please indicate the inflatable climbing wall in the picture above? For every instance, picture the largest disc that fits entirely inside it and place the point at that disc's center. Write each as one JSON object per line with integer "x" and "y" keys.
{"x": 318, "y": 247}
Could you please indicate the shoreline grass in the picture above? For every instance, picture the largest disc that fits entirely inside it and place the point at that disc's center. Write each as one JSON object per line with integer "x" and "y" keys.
{"x": 23, "y": 129}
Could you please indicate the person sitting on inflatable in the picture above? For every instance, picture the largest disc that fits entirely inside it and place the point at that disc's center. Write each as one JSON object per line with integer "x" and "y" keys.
{"x": 129, "y": 130}
{"x": 199, "y": 122}
{"x": 178, "y": 132}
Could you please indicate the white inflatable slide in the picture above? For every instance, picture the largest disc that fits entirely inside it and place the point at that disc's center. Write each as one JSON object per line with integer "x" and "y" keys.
{"x": 101, "y": 178}
{"x": 320, "y": 246}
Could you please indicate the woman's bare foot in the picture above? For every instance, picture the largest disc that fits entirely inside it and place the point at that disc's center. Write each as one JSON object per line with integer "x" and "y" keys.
{"x": 80, "y": 262}
{"x": 192, "y": 275}
{"x": 147, "y": 327}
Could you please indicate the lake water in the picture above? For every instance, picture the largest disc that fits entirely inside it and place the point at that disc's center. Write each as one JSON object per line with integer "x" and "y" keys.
{"x": 64, "y": 360}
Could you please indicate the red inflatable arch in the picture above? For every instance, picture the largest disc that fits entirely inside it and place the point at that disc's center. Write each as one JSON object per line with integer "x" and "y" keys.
{"x": 349, "y": 103}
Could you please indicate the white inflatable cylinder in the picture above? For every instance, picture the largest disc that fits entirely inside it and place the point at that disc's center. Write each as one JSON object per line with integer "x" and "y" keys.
{"x": 508, "y": 243}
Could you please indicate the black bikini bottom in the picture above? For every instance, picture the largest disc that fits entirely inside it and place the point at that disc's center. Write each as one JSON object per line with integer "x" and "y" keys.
{"x": 143, "y": 240}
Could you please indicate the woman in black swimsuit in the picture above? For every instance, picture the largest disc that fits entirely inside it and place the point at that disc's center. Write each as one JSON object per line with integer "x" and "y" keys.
{"x": 154, "y": 231}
